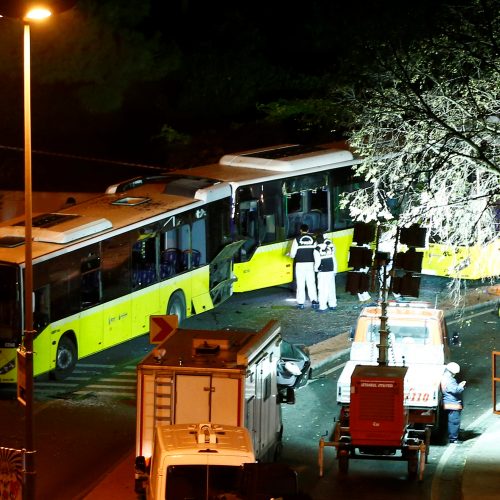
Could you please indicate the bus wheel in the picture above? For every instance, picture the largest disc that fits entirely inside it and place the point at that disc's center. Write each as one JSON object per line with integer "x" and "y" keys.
{"x": 66, "y": 358}
{"x": 177, "y": 306}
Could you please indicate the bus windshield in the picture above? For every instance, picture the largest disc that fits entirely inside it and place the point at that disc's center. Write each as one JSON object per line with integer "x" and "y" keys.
{"x": 10, "y": 311}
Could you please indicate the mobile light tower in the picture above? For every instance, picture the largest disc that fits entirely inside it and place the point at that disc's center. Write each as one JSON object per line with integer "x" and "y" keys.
{"x": 28, "y": 11}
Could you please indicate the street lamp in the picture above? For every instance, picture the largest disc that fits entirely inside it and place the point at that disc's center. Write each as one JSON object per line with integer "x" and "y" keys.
{"x": 29, "y": 11}
{"x": 37, "y": 13}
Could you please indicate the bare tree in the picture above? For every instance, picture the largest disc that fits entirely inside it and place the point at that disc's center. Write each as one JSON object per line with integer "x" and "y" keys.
{"x": 428, "y": 128}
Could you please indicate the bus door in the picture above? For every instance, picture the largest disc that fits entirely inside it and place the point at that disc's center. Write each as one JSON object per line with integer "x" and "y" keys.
{"x": 116, "y": 289}
{"x": 221, "y": 273}
{"x": 90, "y": 332}
{"x": 145, "y": 298}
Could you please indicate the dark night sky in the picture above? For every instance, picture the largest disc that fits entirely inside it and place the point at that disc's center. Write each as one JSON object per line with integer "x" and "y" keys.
{"x": 223, "y": 59}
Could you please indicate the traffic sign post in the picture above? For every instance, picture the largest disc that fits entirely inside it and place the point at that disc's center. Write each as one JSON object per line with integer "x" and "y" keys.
{"x": 160, "y": 327}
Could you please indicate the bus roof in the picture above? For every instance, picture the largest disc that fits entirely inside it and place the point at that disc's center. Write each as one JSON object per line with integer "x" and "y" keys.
{"x": 122, "y": 210}
{"x": 135, "y": 202}
{"x": 12, "y": 201}
{"x": 275, "y": 163}
{"x": 287, "y": 158}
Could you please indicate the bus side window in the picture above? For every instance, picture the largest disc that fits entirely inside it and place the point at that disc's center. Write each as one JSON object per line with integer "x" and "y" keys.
{"x": 313, "y": 220}
{"x": 41, "y": 313}
{"x": 173, "y": 243}
{"x": 270, "y": 228}
{"x": 198, "y": 242}
{"x": 248, "y": 223}
{"x": 91, "y": 281}
{"x": 294, "y": 213}
{"x": 170, "y": 262}
{"x": 143, "y": 263}
{"x": 190, "y": 259}
{"x": 293, "y": 224}
{"x": 116, "y": 257}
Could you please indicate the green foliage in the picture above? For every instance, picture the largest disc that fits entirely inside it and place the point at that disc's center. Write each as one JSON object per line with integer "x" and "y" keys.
{"x": 313, "y": 113}
{"x": 98, "y": 48}
{"x": 170, "y": 136}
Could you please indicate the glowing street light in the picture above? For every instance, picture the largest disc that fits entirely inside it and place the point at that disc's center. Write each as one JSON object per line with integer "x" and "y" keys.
{"x": 26, "y": 350}
{"x": 29, "y": 11}
{"x": 37, "y": 13}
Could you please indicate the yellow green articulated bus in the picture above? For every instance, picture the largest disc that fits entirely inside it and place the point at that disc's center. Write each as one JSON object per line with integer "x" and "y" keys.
{"x": 102, "y": 267}
{"x": 274, "y": 191}
{"x": 177, "y": 243}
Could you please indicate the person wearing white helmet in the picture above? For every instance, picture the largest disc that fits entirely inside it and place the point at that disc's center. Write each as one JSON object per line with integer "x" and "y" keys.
{"x": 452, "y": 399}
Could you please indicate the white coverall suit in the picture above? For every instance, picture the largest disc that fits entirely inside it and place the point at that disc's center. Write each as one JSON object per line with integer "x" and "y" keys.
{"x": 325, "y": 264}
{"x": 302, "y": 252}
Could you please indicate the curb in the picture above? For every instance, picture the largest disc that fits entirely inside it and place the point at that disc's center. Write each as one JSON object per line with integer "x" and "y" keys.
{"x": 481, "y": 473}
{"x": 325, "y": 353}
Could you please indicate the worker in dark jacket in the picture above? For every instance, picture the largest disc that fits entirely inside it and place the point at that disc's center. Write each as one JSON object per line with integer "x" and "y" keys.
{"x": 325, "y": 264}
{"x": 302, "y": 252}
{"x": 452, "y": 399}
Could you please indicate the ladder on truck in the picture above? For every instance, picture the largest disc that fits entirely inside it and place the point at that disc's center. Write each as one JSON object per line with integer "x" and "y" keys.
{"x": 163, "y": 405}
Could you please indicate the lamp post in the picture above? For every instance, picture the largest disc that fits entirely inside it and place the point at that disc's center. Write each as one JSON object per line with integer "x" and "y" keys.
{"x": 29, "y": 469}
{"x": 29, "y": 11}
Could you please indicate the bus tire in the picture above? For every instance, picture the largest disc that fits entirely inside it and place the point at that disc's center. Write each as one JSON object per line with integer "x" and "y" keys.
{"x": 177, "y": 306}
{"x": 66, "y": 358}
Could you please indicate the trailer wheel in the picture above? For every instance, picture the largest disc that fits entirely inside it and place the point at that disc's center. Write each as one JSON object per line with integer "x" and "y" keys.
{"x": 336, "y": 432}
{"x": 343, "y": 458}
{"x": 412, "y": 465}
{"x": 278, "y": 447}
{"x": 427, "y": 442}
{"x": 177, "y": 306}
{"x": 278, "y": 450}
{"x": 66, "y": 358}
{"x": 439, "y": 431}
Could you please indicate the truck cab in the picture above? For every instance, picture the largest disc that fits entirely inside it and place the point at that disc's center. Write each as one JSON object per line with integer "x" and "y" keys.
{"x": 196, "y": 461}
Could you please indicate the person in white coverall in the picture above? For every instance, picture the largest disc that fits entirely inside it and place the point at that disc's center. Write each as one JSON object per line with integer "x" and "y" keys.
{"x": 325, "y": 264}
{"x": 302, "y": 253}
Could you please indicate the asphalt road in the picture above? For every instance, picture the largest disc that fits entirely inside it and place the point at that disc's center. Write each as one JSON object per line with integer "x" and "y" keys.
{"x": 85, "y": 426}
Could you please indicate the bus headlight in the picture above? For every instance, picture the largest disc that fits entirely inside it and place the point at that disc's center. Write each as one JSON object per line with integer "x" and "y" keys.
{"x": 8, "y": 366}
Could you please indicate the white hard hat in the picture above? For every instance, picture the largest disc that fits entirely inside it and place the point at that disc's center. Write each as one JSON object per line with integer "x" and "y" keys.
{"x": 453, "y": 367}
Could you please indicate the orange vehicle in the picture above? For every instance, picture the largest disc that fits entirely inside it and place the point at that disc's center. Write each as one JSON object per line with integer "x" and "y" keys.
{"x": 389, "y": 390}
